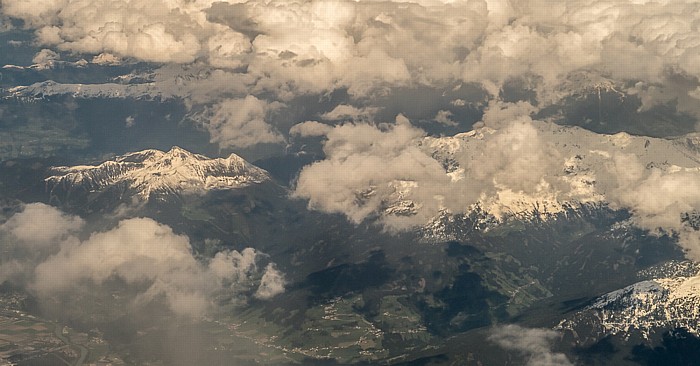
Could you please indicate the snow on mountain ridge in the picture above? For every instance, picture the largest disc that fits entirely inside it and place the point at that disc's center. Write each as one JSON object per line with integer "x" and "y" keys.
{"x": 147, "y": 91}
{"x": 646, "y": 307}
{"x": 579, "y": 170}
{"x": 154, "y": 172}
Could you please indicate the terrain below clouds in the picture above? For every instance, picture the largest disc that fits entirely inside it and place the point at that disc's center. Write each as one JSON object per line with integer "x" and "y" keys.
{"x": 349, "y": 182}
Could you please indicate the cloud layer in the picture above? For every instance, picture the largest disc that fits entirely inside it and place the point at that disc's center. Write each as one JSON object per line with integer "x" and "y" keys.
{"x": 140, "y": 252}
{"x": 329, "y": 43}
{"x": 510, "y": 165}
{"x": 256, "y": 53}
{"x": 243, "y": 62}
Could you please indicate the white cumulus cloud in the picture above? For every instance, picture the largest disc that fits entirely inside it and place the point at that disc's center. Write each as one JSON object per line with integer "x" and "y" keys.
{"x": 321, "y": 45}
{"x": 310, "y": 128}
{"x": 41, "y": 225}
{"x": 364, "y": 164}
{"x": 138, "y": 251}
{"x": 242, "y": 123}
{"x": 280, "y": 50}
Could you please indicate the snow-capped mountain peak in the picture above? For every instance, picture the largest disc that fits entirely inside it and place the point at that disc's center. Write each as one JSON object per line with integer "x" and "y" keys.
{"x": 156, "y": 173}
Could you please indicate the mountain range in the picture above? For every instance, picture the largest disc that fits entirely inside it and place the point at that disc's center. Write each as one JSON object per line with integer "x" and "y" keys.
{"x": 455, "y": 274}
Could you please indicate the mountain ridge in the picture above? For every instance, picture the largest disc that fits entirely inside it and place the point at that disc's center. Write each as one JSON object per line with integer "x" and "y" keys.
{"x": 579, "y": 179}
{"x": 669, "y": 299}
{"x": 155, "y": 174}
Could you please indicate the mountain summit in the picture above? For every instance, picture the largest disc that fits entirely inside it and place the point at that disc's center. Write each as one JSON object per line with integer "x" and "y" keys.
{"x": 154, "y": 173}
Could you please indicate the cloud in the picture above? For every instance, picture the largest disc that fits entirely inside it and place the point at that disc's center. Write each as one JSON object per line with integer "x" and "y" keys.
{"x": 158, "y": 31}
{"x": 45, "y": 56}
{"x": 349, "y": 113}
{"x": 227, "y": 48}
{"x": 310, "y": 129}
{"x": 137, "y": 249}
{"x": 657, "y": 197}
{"x": 242, "y": 60}
{"x": 106, "y": 59}
{"x": 282, "y": 51}
{"x": 320, "y": 46}
{"x": 11, "y": 270}
{"x": 142, "y": 253}
{"x": 445, "y": 118}
{"x": 30, "y": 235}
{"x": 510, "y": 165}
{"x": 516, "y": 157}
{"x": 390, "y": 171}
{"x": 498, "y": 114}
{"x": 242, "y": 123}
{"x": 535, "y": 345}
{"x": 271, "y": 284}
{"x": 39, "y": 225}
{"x": 364, "y": 167}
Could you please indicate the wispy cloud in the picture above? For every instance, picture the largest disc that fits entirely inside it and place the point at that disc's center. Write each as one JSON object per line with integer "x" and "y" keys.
{"x": 533, "y": 344}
